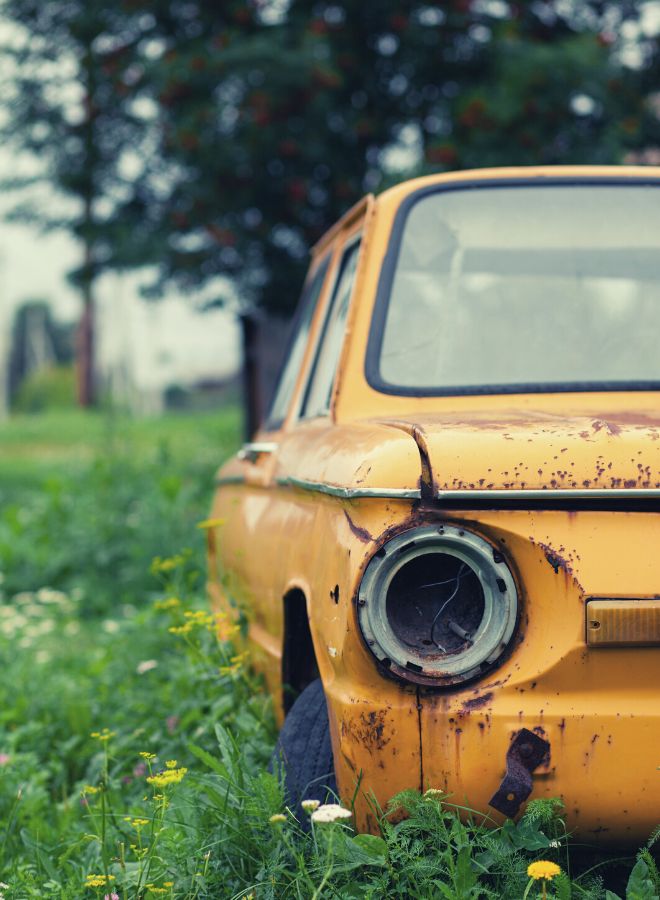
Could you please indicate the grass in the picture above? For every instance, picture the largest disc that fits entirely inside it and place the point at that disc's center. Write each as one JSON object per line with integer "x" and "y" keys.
{"x": 134, "y": 744}
{"x": 59, "y": 444}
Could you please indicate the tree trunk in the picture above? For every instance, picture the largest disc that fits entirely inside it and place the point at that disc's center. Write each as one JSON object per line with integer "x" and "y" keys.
{"x": 85, "y": 352}
{"x": 252, "y": 401}
{"x": 85, "y": 343}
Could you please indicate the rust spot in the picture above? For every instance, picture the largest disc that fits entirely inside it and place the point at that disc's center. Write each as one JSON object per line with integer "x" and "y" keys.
{"x": 360, "y": 533}
{"x": 368, "y": 729}
{"x": 610, "y": 427}
{"x": 556, "y": 558}
{"x": 526, "y": 751}
{"x": 477, "y": 702}
{"x": 334, "y": 594}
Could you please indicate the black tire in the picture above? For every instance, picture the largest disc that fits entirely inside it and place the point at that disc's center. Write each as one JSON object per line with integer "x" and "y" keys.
{"x": 303, "y": 755}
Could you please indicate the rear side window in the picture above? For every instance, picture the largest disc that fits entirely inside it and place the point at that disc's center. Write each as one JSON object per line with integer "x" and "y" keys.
{"x": 293, "y": 359}
{"x": 319, "y": 389}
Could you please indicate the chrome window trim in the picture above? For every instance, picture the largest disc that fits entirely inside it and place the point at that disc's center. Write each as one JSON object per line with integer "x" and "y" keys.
{"x": 298, "y": 415}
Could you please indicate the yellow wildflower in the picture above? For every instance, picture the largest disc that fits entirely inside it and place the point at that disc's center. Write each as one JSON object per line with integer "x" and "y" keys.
{"x": 224, "y": 629}
{"x": 181, "y": 629}
{"x": 171, "y": 764}
{"x": 147, "y": 756}
{"x": 137, "y": 823}
{"x": 168, "y": 884}
{"x": 277, "y": 819}
{"x": 211, "y": 523}
{"x": 156, "y": 890}
{"x": 235, "y": 664}
{"x": 168, "y": 603}
{"x": 94, "y": 881}
{"x": 543, "y": 868}
{"x": 164, "y": 779}
{"x": 198, "y": 617}
{"x": 165, "y": 565}
{"x": 310, "y": 805}
{"x": 90, "y": 789}
{"x": 103, "y": 735}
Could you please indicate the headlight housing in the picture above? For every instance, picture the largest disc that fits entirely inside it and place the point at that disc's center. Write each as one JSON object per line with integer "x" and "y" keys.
{"x": 438, "y": 605}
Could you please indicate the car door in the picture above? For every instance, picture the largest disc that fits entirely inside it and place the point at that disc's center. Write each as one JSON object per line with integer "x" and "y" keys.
{"x": 243, "y": 570}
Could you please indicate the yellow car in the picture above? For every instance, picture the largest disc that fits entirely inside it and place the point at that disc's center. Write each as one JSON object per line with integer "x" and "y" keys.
{"x": 448, "y": 528}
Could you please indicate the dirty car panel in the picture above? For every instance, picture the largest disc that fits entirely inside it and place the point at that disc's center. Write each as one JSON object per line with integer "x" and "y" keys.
{"x": 478, "y": 569}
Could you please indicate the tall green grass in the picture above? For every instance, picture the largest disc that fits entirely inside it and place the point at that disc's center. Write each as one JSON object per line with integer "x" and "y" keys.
{"x": 113, "y": 677}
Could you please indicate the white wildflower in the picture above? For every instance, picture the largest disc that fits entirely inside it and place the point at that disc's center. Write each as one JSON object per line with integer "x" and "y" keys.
{"x": 330, "y": 812}
{"x": 146, "y": 666}
{"x": 49, "y": 595}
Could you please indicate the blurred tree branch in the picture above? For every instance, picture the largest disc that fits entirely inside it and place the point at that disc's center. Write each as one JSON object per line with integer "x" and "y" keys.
{"x": 221, "y": 140}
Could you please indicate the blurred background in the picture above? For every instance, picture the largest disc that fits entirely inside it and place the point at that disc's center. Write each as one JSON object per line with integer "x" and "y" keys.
{"x": 166, "y": 166}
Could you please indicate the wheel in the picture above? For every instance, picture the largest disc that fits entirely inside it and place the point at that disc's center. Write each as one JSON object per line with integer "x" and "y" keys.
{"x": 304, "y": 753}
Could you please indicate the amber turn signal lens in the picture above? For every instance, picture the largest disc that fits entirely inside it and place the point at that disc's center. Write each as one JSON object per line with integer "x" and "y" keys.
{"x": 621, "y": 623}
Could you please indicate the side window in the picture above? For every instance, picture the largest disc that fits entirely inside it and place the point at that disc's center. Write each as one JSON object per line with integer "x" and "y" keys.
{"x": 319, "y": 389}
{"x": 296, "y": 349}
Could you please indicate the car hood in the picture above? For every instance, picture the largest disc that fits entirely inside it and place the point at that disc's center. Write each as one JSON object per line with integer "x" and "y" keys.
{"x": 514, "y": 450}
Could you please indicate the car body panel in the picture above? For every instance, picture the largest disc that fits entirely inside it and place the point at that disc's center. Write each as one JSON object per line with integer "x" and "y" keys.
{"x": 310, "y": 514}
{"x": 541, "y": 450}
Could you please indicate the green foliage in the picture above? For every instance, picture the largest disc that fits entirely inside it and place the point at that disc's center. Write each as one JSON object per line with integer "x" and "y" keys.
{"x": 94, "y": 706}
{"x": 47, "y": 389}
{"x": 93, "y": 531}
{"x": 224, "y": 139}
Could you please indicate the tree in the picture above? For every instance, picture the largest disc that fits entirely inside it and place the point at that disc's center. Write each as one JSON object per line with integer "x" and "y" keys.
{"x": 275, "y": 117}
{"x": 252, "y": 125}
{"x": 72, "y": 105}
{"x": 557, "y": 91}
{"x": 273, "y": 123}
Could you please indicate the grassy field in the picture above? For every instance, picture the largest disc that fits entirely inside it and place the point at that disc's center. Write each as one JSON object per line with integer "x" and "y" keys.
{"x": 134, "y": 745}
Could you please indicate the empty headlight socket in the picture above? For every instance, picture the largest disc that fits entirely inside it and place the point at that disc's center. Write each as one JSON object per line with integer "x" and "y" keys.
{"x": 438, "y": 605}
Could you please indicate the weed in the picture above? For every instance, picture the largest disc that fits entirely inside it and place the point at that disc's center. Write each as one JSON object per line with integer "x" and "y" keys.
{"x": 134, "y": 742}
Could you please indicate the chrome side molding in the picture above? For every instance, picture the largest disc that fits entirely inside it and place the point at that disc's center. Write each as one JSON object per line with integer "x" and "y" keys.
{"x": 254, "y": 449}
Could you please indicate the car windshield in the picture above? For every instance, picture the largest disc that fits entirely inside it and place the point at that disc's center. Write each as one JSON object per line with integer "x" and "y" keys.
{"x": 553, "y": 287}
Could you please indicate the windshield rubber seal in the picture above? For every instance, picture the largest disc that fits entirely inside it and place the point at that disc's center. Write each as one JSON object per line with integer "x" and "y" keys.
{"x": 388, "y": 270}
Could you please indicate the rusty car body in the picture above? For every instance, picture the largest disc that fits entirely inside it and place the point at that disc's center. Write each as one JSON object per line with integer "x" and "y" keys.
{"x": 452, "y": 513}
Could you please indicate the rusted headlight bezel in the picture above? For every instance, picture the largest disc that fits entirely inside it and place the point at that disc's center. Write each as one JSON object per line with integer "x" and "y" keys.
{"x": 493, "y": 635}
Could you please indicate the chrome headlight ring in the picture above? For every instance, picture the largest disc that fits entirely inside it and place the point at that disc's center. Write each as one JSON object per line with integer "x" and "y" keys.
{"x": 438, "y": 605}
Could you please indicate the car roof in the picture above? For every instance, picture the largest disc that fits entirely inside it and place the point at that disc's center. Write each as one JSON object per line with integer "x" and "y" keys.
{"x": 396, "y": 193}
